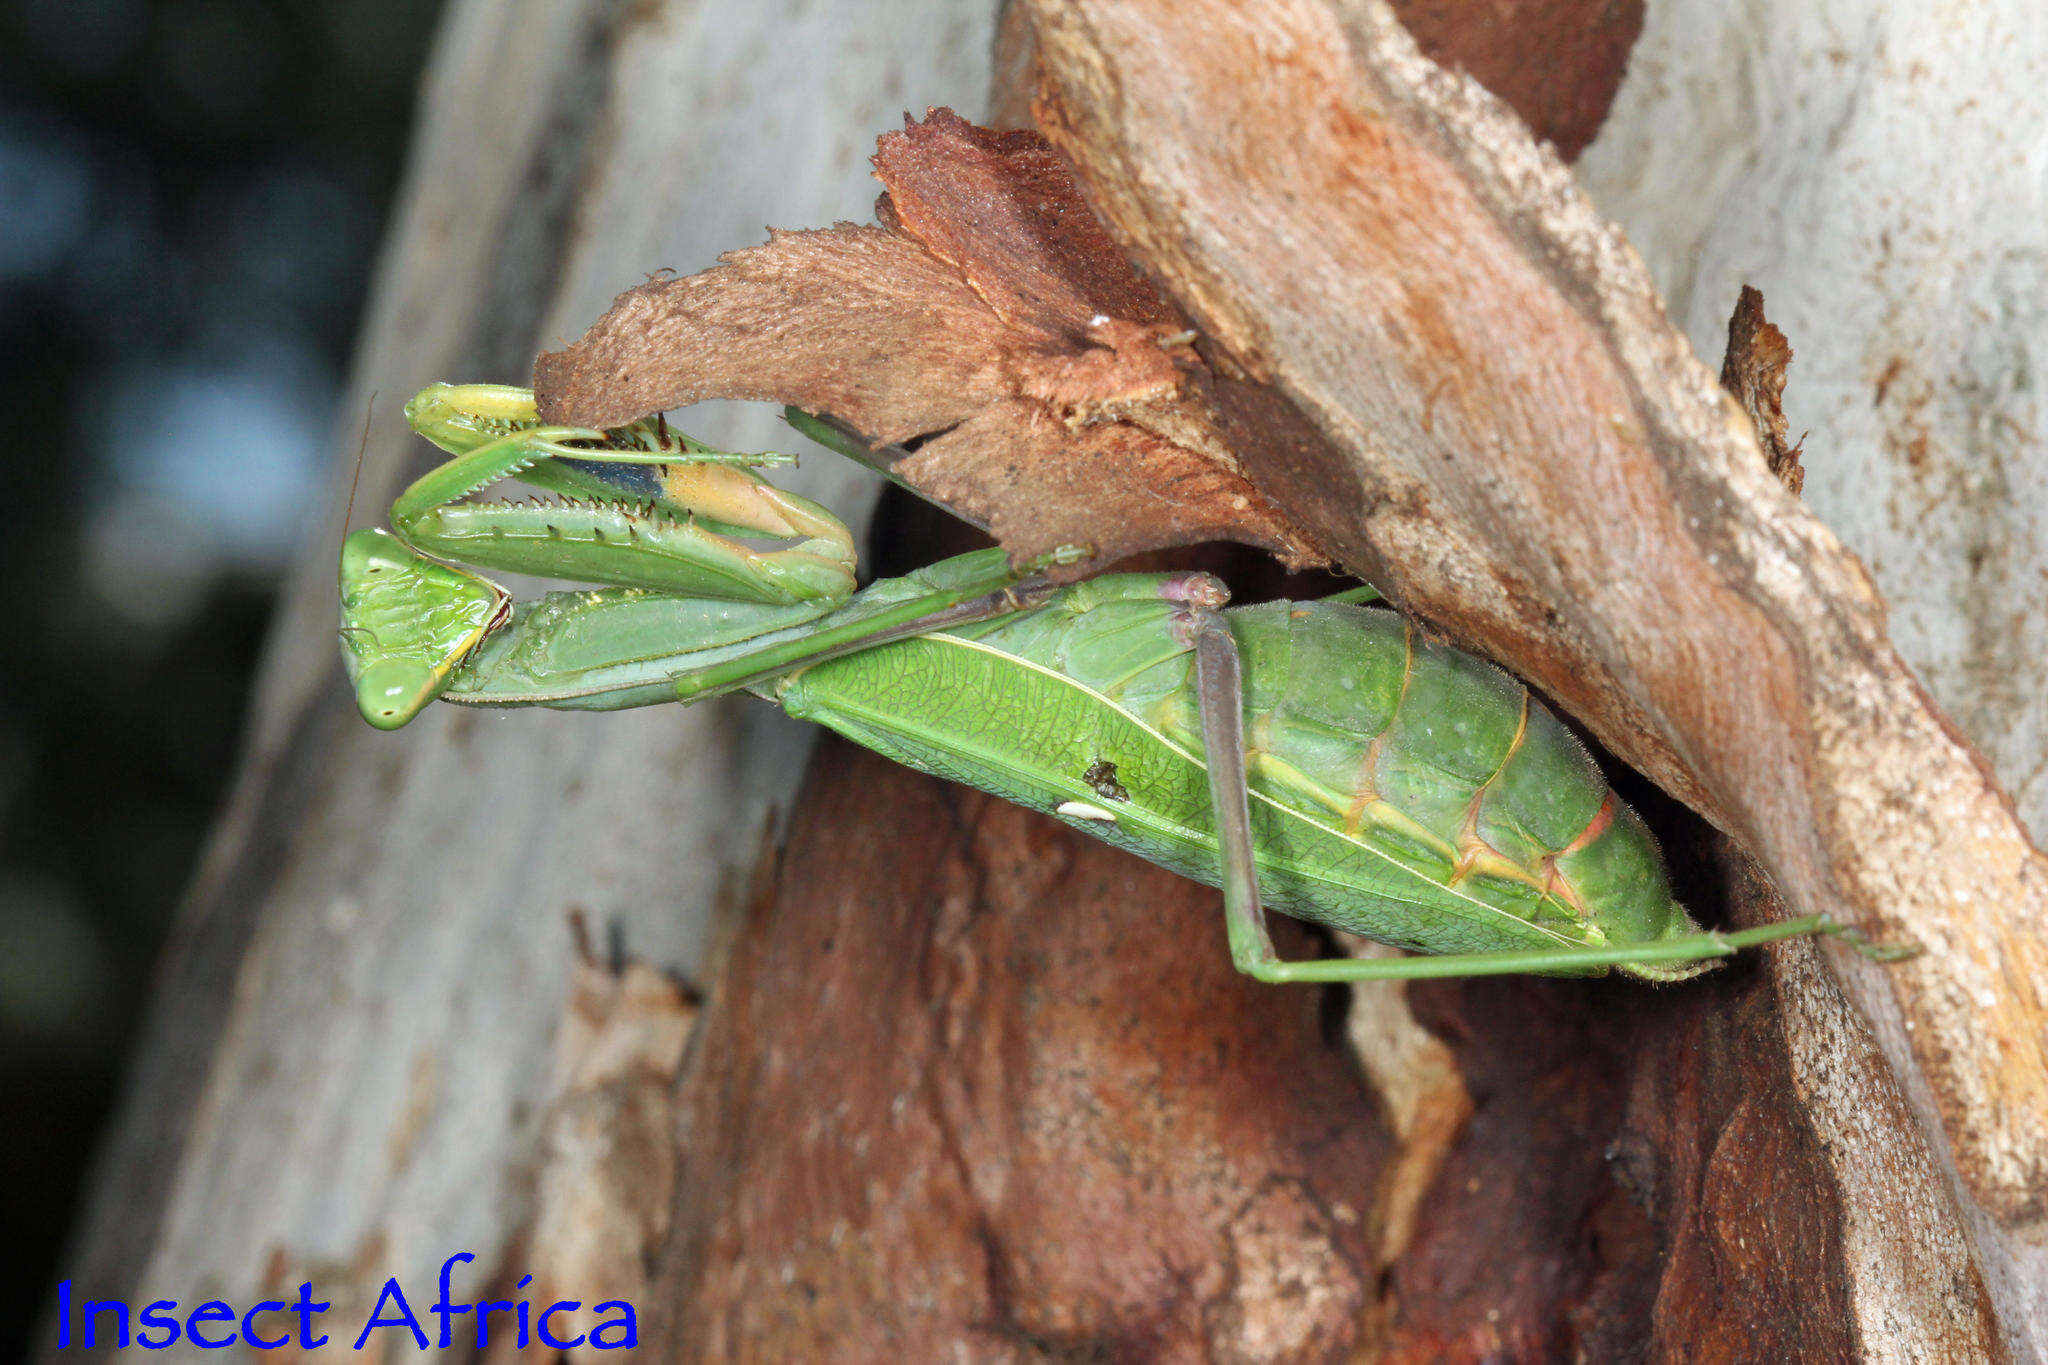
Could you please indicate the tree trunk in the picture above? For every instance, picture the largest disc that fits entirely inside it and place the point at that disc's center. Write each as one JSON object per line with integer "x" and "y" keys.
{"x": 346, "y": 1067}
{"x": 963, "y": 1083}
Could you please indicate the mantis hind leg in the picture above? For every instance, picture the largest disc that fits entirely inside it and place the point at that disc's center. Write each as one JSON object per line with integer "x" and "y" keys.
{"x": 1548, "y": 961}
{"x": 1220, "y": 700}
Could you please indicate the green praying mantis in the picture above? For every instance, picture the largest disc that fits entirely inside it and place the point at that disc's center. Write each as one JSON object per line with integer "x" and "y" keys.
{"x": 1321, "y": 757}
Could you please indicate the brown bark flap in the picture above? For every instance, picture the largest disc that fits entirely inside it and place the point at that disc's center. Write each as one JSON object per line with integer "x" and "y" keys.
{"x": 991, "y": 321}
{"x": 1505, "y": 433}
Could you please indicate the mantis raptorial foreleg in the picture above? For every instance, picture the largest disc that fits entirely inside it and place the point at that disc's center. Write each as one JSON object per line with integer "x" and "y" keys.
{"x": 639, "y": 507}
{"x": 565, "y": 651}
{"x": 996, "y": 590}
{"x": 642, "y": 507}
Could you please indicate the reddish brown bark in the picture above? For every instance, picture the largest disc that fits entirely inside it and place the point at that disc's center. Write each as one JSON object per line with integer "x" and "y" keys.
{"x": 1563, "y": 96}
{"x": 999, "y": 1090}
{"x": 1000, "y": 1086}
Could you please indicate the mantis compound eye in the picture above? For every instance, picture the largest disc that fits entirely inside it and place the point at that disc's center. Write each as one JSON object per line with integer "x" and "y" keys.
{"x": 391, "y": 692}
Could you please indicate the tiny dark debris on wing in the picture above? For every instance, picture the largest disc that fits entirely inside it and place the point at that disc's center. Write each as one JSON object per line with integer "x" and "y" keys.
{"x": 1101, "y": 776}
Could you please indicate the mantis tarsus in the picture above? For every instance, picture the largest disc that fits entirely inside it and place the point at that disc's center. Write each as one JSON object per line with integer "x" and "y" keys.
{"x": 1322, "y": 754}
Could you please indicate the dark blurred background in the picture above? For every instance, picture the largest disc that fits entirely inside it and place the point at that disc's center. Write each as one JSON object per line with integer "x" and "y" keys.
{"x": 191, "y": 197}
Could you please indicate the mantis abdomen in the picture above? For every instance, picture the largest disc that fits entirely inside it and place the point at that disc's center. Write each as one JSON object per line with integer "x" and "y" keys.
{"x": 1400, "y": 789}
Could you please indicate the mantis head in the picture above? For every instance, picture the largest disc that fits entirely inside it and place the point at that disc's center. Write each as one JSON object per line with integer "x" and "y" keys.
{"x": 406, "y": 621}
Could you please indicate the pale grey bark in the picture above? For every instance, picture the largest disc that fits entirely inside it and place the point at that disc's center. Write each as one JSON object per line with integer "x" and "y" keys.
{"x": 348, "y": 1050}
{"x": 1876, "y": 170}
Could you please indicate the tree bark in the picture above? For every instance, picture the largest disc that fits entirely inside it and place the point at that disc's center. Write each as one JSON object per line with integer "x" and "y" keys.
{"x": 964, "y": 1083}
{"x": 1523, "y": 451}
{"x": 345, "y": 1072}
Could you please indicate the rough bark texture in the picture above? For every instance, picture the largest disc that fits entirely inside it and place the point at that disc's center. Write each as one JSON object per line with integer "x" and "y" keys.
{"x": 1058, "y": 1124}
{"x": 346, "y": 1071}
{"x": 1862, "y": 163}
{"x": 965, "y": 1085}
{"x": 1028, "y": 1112}
{"x": 1867, "y": 165}
{"x": 1551, "y": 475}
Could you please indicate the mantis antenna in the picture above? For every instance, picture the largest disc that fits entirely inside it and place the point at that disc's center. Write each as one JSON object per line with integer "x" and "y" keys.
{"x": 355, "y": 479}
{"x": 362, "y": 448}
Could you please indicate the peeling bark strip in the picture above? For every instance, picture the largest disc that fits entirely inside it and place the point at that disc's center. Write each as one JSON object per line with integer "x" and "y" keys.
{"x": 606, "y": 1184}
{"x": 1542, "y": 468}
{"x": 991, "y": 319}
